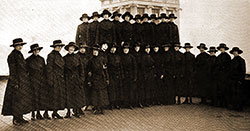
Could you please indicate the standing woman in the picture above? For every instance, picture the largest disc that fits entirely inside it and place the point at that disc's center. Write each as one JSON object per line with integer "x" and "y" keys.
{"x": 17, "y": 100}
{"x": 75, "y": 97}
{"x": 55, "y": 78}
{"x": 237, "y": 76}
{"x": 98, "y": 81}
{"x": 37, "y": 74}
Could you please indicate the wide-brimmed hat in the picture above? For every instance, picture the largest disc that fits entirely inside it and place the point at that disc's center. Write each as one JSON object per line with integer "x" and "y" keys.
{"x": 126, "y": 45}
{"x": 212, "y": 49}
{"x": 17, "y": 41}
{"x": 166, "y": 45}
{"x": 163, "y": 15}
{"x": 83, "y": 45}
{"x": 57, "y": 43}
{"x": 145, "y": 15}
{"x": 236, "y": 49}
{"x": 222, "y": 45}
{"x": 202, "y": 45}
{"x": 95, "y": 14}
{"x": 138, "y": 16}
{"x": 116, "y": 13}
{"x": 147, "y": 46}
{"x": 96, "y": 47}
{"x": 187, "y": 45}
{"x": 35, "y": 47}
{"x": 172, "y": 16}
{"x": 153, "y": 16}
{"x": 177, "y": 45}
{"x": 156, "y": 45}
{"x": 114, "y": 45}
{"x": 127, "y": 14}
{"x": 71, "y": 44}
{"x": 84, "y": 16}
{"x": 106, "y": 12}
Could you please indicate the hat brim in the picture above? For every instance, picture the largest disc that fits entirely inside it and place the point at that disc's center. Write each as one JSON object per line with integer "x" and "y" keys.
{"x": 13, "y": 45}
{"x": 67, "y": 47}
{"x": 39, "y": 48}
{"x": 172, "y": 17}
{"x": 57, "y": 45}
{"x": 106, "y": 14}
{"x": 212, "y": 51}
{"x": 187, "y": 47}
{"x": 84, "y": 17}
{"x": 123, "y": 17}
{"x": 226, "y": 48}
{"x": 205, "y": 48}
{"x": 239, "y": 51}
{"x": 113, "y": 16}
{"x": 92, "y": 17}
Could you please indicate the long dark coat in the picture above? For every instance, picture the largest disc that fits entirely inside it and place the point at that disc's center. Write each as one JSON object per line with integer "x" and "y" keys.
{"x": 212, "y": 77}
{"x": 118, "y": 34}
{"x": 74, "y": 86}
{"x": 137, "y": 29}
{"x": 223, "y": 67}
{"x": 93, "y": 33}
{"x": 153, "y": 33}
{"x": 37, "y": 74}
{"x": 148, "y": 72}
{"x": 84, "y": 59}
{"x": 82, "y": 33}
{"x": 159, "y": 70}
{"x": 169, "y": 88}
{"x": 173, "y": 33}
{"x": 162, "y": 33}
{"x": 178, "y": 69}
{"x": 237, "y": 76}
{"x": 129, "y": 78}
{"x": 106, "y": 32}
{"x": 147, "y": 34}
{"x": 140, "y": 90}
{"x": 127, "y": 32}
{"x": 189, "y": 69}
{"x": 115, "y": 77}
{"x": 201, "y": 73}
{"x": 98, "y": 81}
{"x": 55, "y": 79}
{"x": 17, "y": 98}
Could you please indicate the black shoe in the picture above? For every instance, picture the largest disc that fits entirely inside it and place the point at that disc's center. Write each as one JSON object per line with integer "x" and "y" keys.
{"x": 67, "y": 115}
{"x": 24, "y": 121}
{"x": 77, "y": 115}
{"x": 81, "y": 113}
{"x": 117, "y": 107}
{"x": 130, "y": 107}
{"x": 46, "y": 116}
{"x": 16, "y": 122}
{"x": 140, "y": 105}
{"x": 33, "y": 116}
{"x": 185, "y": 102}
{"x": 39, "y": 117}
{"x": 56, "y": 115}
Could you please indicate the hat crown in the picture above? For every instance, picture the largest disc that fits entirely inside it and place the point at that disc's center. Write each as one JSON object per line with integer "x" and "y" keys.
{"x": 85, "y": 15}
{"x": 212, "y": 48}
{"x": 138, "y": 16}
{"x": 222, "y": 45}
{"x": 34, "y": 46}
{"x": 95, "y": 14}
{"x": 172, "y": 16}
{"x": 187, "y": 44}
{"x": 17, "y": 40}
{"x": 202, "y": 45}
{"x": 57, "y": 42}
{"x": 153, "y": 16}
{"x": 145, "y": 15}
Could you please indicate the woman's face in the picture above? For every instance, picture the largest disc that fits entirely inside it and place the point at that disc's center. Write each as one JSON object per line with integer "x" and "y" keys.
{"x": 147, "y": 50}
{"x": 58, "y": 48}
{"x": 166, "y": 48}
{"x": 137, "y": 48}
{"x": 95, "y": 52}
{"x": 82, "y": 50}
{"x": 71, "y": 49}
{"x": 18, "y": 47}
{"x": 113, "y": 50}
{"x": 36, "y": 52}
{"x": 126, "y": 50}
{"x": 127, "y": 18}
{"x": 156, "y": 49}
{"x": 106, "y": 16}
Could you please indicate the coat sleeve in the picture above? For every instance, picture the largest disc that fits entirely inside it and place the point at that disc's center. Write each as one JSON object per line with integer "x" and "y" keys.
{"x": 135, "y": 68}
{"x": 243, "y": 68}
{"x": 78, "y": 35}
{"x": 49, "y": 69}
{"x": 97, "y": 36}
{"x": 13, "y": 70}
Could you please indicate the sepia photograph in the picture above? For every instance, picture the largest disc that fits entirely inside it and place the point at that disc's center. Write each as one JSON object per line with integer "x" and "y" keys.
{"x": 125, "y": 65}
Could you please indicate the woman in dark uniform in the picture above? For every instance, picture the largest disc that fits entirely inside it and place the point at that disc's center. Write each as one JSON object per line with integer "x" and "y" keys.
{"x": 55, "y": 78}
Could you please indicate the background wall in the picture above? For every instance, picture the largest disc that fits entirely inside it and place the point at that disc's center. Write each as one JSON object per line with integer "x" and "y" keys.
{"x": 42, "y": 21}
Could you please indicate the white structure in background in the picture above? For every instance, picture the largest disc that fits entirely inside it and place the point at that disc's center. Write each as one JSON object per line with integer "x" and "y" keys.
{"x": 143, "y": 6}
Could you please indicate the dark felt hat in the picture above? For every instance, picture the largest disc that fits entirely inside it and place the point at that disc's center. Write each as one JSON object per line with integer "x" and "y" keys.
{"x": 138, "y": 16}
{"x": 116, "y": 13}
{"x": 163, "y": 15}
{"x": 95, "y": 14}
{"x": 166, "y": 45}
{"x": 145, "y": 15}
{"x": 212, "y": 49}
{"x": 172, "y": 16}
{"x": 96, "y": 47}
{"x": 71, "y": 44}
{"x": 57, "y": 43}
{"x": 84, "y": 16}
{"x": 177, "y": 45}
{"x": 17, "y": 41}
{"x": 126, "y": 45}
{"x": 187, "y": 45}
{"x": 127, "y": 14}
{"x": 153, "y": 16}
{"x": 222, "y": 45}
{"x": 236, "y": 49}
{"x": 83, "y": 45}
{"x": 202, "y": 45}
{"x": 34, "y": 47}
{"x": 106, "y": 12}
